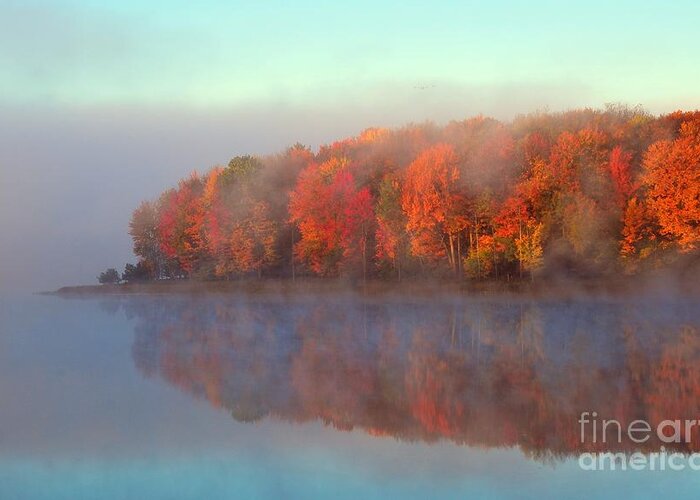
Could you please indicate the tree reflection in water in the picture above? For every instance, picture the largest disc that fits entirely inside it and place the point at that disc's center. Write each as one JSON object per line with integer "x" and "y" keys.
{"x": 485, "y": 373}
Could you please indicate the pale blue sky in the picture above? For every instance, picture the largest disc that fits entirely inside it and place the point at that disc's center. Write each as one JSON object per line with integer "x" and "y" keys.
{"x": 209, "y": 53}
{"x": 105, "y": 103}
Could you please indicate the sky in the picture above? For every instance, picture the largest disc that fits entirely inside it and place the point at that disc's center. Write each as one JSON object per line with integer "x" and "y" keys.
{"x": 105, "y": 103}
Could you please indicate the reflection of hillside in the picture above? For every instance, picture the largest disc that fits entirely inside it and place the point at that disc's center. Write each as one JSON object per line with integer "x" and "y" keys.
{"x": 488, "y": 374}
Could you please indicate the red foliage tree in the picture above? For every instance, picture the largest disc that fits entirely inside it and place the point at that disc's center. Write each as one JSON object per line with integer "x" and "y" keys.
{"x": 181, "y": 224}
{"x": 620, "y": 171}
{"x": 333, "y": 215}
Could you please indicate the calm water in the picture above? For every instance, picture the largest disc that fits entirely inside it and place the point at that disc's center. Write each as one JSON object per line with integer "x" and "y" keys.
{"x": 341, "y": 397}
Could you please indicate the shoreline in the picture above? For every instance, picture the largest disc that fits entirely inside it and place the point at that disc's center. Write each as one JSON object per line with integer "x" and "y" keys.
{"x": 559, "y": 288}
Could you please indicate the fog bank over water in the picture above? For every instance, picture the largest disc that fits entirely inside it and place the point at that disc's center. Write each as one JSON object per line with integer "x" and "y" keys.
{"x": 70, "y": 177}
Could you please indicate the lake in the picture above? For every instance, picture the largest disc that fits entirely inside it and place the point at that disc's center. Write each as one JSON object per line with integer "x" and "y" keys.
{"x": 342, "y": 396}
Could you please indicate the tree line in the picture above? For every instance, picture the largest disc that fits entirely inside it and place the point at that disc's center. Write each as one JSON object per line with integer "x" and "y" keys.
{"x": 589, "y": 193}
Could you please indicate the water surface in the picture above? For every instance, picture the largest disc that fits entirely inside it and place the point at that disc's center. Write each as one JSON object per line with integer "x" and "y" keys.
{"x": 316, "y": 396}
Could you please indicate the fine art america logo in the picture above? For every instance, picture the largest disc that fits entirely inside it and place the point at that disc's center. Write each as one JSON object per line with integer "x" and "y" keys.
{"x": 596, "y": 432}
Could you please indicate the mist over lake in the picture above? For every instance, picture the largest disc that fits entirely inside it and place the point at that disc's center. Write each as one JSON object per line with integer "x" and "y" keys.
{"x": 344, "y": 394}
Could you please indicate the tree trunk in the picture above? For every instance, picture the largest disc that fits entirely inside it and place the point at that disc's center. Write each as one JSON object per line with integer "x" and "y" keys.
{"x": 459, "y": 255}
{"x": 495, "y": 258}
{"x": 452, "y": 253}
{"x": 292, "y": 255}
{"x": 527, "y": 231}
{"x": 364, "y": 261}
{"x": 478, "y": 257}
{"x": 520, "y": 248}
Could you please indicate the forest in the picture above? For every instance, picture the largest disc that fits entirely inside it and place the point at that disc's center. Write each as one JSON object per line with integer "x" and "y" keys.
{"x": 589, "y": 193}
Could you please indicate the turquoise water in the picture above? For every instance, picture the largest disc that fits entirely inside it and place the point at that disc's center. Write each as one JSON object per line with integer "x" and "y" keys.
{"x": 278, "y": 397}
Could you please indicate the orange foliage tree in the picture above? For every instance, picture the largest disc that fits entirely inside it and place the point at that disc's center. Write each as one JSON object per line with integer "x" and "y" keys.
{"x": 672, "y": 178}
{"x": 434, "y": 207}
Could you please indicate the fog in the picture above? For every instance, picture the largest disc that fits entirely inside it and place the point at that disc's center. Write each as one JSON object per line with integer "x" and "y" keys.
{"x": 70, "y": 177}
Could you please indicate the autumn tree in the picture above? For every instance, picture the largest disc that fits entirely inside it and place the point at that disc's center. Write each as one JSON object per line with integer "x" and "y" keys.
{"x": 434, "y": 207}
{"x": 358, "y": 219}
{"x": 241, "y": 167}
{"x": 529, "y": 246}
{"x": 583, "y": 201}
{"x": 218, "y": 222}
{"x": 168, "y": 230}
{"x": 333, "y": 215}
{"x": 519, "y": 236}
{"x": 254, "y": 240}
{"x": 181, "y": 224}
{"x": 241, "y": 235}
{"x": 672, "y": 178}
{"x": 143, "y": 229}
{"x": 278, "y": 180}
{"x": 392, "y": 243}
{"x": 620, "y": 171}
{"x": 482, "y": 255}
{"x": 640, "y": 238}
